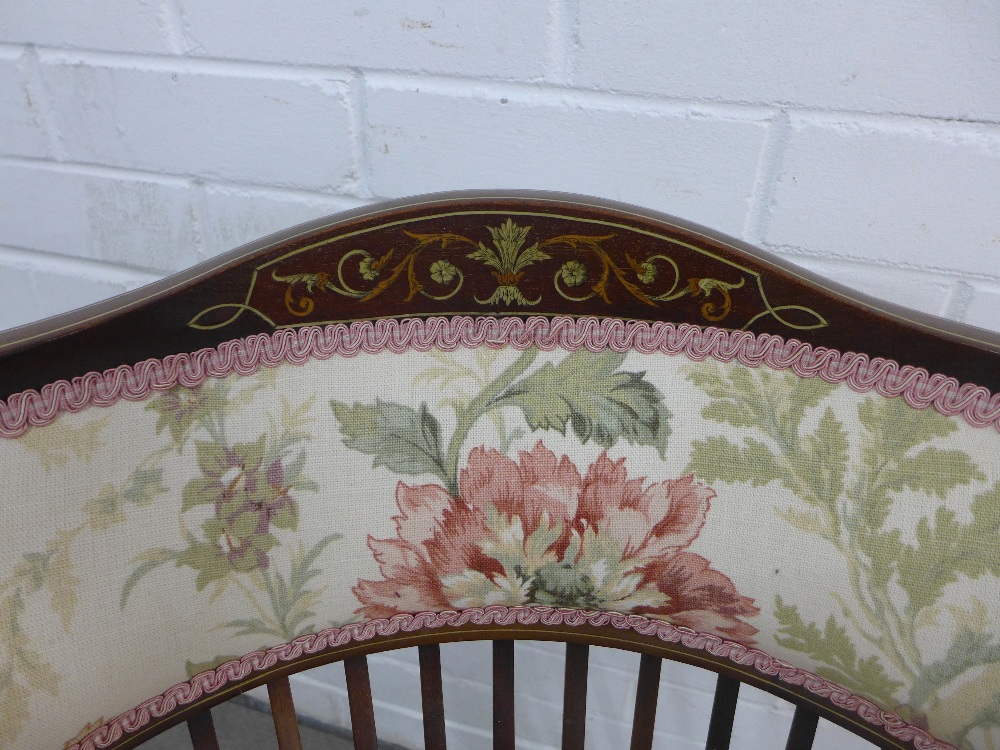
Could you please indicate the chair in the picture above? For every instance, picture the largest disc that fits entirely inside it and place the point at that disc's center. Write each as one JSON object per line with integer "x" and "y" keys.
{"x": 498, "y": 417}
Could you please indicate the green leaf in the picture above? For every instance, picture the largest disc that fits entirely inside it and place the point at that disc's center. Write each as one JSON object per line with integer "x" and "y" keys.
{"x": 833, "y": 648}
{"x": 287, "y": 517}
{"x": 244, "y": 524}
{"x": 208, "y": 560}
{"x": 254, "y": 626}
{"x": 899, "y": 426}
{"x": 153, "y": 560}
{"x": 716, "y": 459}
{"x": 62, "y": 583}
{"x": 16, "y": 710}
{"x": 946, "y": 548}
{"x": 199, "y": 492}
{"x": 403, "y": 439}
{"x": 600, "y": 403}
{"x": 824, "y": 460}
{"x": 211, "y": 457}
{"x": 935, "y": 471}
{"x": 144, "y": 486}
{"x": 774, "y": 403}
{"x": 969, "y": 650}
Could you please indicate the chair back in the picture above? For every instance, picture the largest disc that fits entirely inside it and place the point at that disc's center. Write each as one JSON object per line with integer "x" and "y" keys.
{"x": 499, "y": 416}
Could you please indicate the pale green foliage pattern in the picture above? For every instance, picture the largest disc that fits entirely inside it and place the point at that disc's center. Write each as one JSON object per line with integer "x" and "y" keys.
{"x": 846, "y": 482}
{"x": 403, "y": 439}
{"x": 586, "y": 392}
{"x": 600, "y": 402}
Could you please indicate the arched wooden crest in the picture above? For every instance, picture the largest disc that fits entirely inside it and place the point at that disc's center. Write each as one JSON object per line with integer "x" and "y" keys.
{"x": 494, "y": 254}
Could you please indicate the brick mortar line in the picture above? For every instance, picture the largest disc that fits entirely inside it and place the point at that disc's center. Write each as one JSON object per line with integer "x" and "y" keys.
{"x": 768, "y": 171}
{"x": 357, "y": 99}
{"x": 172, "y": 179}
{"x": 172, "y": 17}
{"x": 34, "y": 83}
{"x": 790, "y": 251}
{"x": 559, "y": 40}
{"x": 101, "y": 270}
{"x": 468, "y": 86}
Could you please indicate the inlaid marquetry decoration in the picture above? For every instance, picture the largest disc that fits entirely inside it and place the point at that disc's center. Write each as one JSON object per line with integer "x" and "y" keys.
{"x": 504, "y": 263}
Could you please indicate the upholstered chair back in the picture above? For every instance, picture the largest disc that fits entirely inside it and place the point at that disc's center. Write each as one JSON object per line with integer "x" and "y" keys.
{"x": 513, "y": 414}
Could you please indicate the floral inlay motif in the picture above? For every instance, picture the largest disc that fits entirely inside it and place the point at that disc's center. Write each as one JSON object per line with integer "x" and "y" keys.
{"x": 435, "y": 265}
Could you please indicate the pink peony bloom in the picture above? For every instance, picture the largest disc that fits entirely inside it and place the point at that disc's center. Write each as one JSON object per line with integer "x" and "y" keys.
{"x": 536, "y": 532}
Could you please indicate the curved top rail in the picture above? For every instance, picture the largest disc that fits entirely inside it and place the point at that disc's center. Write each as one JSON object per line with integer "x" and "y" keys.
{"x": 489, "y": 253}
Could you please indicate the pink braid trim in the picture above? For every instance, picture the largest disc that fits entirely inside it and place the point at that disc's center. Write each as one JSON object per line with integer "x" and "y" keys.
{"x": 920, "y": 389}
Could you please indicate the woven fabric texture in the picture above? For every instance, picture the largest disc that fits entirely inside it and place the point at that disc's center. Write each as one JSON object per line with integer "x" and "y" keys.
{"x": 847, "y": 533}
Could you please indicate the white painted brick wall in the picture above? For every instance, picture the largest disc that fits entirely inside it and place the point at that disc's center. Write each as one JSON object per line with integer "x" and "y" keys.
{"x": 437, "y": 134}
{"x": 492, "y": 40}
{"x": 20, "y": 129}
{"x": 934, "y": 59}
{"x": 858, "y": 139}
{"x": 917, "y": 194}
{"x": 120, "y": 25}
{"x": 263, "y": 127}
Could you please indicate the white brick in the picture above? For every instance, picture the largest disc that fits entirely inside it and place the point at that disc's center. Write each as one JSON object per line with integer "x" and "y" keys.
{"x": 21, "y": 127}
{"x": 133, "y": 26}
{"x": 984, "y": 309}
{"x": 234, "y": 216}
{"x": 263, "y": 130}
{"x": 693, "y": 166}
{"x": 19, "y": 300}
{"x": 129, "y": 221}
{"x": 920, "y": 291}
{"x": 32, "y": 288}
{"x": 934, "y": 58}
{"x": 918, "y": 197}
{"x": 490, "y": 39}
{"x": 63, "y": 290}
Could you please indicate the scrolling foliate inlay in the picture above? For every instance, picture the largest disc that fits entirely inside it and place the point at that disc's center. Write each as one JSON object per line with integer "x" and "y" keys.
{"x": 505, "y": 266}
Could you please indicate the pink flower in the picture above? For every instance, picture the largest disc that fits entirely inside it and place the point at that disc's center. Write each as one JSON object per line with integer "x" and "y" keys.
{"x": 536, "y": 532}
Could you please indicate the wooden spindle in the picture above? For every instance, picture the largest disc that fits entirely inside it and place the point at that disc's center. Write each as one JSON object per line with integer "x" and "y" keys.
{"x": 359, "y": 696}
{"x": 575, "y": 696}
{"x": 503, "y": 695}
{"x": 202, "y": 730}
{"x": 646, "y": 693}
{"x": 720, "y": 727}
{"x": 286, "y": 726}
{"x": 432, "y": 697}
{"x": 803, "y": 731}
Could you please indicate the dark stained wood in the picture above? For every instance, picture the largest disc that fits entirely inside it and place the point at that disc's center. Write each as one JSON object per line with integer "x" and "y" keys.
{"x": 286, "y": 725}
{"x": 359, "y": 695}
{"x": 646, "y": 693}
{"x": 202, "y": 730}
{"x": 720, "y": 727}
{"x": 432, "y": 697}
{"x": 399, "y": 242}
{"x": 803, "y": 731}
{"x": 503, "y": 695}
{"x": 575, "y": 696}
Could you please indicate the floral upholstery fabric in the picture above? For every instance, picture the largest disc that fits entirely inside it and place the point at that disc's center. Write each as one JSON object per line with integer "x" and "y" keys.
{"x": 849, "y": 533}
